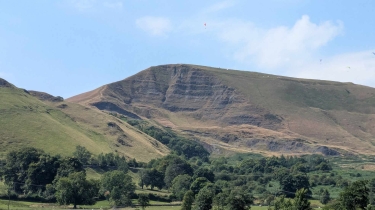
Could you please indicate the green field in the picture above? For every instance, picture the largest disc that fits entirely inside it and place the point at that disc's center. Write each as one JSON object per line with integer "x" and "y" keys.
{"x": 23, "y": 205}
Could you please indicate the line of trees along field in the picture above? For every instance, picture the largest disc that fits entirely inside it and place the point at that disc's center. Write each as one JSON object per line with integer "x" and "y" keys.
{"x": 199, "y": 182}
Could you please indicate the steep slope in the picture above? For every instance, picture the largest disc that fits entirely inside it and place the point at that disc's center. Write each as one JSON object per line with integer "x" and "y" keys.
{"x": 58, "y": 126}
{"x": 240, "y": 111}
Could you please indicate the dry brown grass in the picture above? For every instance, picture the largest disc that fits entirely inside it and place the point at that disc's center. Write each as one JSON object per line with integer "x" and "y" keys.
{"x": 321, "y": 113}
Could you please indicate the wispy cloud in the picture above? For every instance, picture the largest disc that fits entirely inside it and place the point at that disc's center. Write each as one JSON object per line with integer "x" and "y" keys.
{"x": 357, "y": 67}
{"x": 219, "y": 6}
{"x": 156, "y": 26}
{"x": 279, "y": 46}
{"x": 82, "y": 5}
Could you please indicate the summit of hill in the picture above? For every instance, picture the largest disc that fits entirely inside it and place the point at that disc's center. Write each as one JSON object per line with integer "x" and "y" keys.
{"x": 241, "y": 111}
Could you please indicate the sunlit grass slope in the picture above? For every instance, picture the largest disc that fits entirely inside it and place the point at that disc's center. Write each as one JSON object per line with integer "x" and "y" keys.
{"x": 58, "y": 128}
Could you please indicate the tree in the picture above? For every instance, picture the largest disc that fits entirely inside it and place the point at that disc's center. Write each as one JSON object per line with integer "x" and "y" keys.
{"x": 292, "y": 183}
{"x": 142, "y": 177}
{"x": 82, "y": 154}
{"x": 203, "y": 200}
{"x": 143, "y": 200}
{"x": 239, "y": 200}
{"x": 41, "y": 173}
{"x": 188, "y": 200}
{"x": 283, "y": 203}
{"x": 117, "y": 187}
{"x": 220, "y": 200}
{"x": 180, "y": 185}
{"x": 204, "y": 172}
{"x": 300, "y": 200}
{"x": 154, "y": 178}
{"x": 76, "y": 190}
{"x": 324, "y": 196}
{"x": 198, "y": 184}
{"x": 355, "y": 196}
{"x": 176, "y": 167}
{"x": 17, "y": 165}
{"x": 371, "y": 186}
{"x": 69, "y": 165}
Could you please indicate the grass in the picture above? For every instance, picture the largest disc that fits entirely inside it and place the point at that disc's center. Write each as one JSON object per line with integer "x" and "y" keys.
{"x": 333, "y": 114}
{"x": 27, "y": 121}
{"x": 22, "y": 205}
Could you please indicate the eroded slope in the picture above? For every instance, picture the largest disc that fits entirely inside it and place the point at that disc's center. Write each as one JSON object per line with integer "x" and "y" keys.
{"x": 286, "y": 115}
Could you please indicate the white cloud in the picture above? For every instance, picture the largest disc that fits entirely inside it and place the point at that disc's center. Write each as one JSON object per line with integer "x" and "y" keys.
{"x": 219, "y": 6}
{"x": 277, "y": 47}
{"x": 82, "y": 5}
{"x": 156, "y": 26}
{"x": 357, "y": 67}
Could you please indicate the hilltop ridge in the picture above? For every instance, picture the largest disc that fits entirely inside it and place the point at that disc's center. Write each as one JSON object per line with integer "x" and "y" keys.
{"x": 31, "y": 118}
{"x": 238, "y": 111}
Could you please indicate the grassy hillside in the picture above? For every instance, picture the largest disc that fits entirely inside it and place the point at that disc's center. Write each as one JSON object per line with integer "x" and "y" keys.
{"x": 241, "y": 111}
{"x": 58, "y": 127}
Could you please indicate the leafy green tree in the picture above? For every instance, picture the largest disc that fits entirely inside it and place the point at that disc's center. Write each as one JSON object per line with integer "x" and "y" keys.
{"x": 41, "y": 173}
{"x": 82, "y": 154}
{"x": 176, "y": 166}
{"x": 220, "y": 200}
{"x": 370, "y": 207}
{"x": 355, "y": 196}
{"x": 117, "y": 187}
{"x": 143, "y": 200}
{"x": 142, "y": 177}
{"x": 371, "y": 186}
{"x": 204, "y": 172}
{"x": 300, "y": 200}
{"x": 180, "y": 185}
{"x": 283, "y": 203}
{"x": 188, "y": 200}
{"x": 292, "y": 183}
{"x": 153, "y": 178}
{"x": 69, "y": 165}
{"x": 203, "y": 200}
{"x": 76, "y": 190}
{"x": 325, "y": 197}
{"x": 239, "y": 201}
{"x": 17, "y": 166}
{"x": 122, "y": 164}
{"x": 198, "y": 184}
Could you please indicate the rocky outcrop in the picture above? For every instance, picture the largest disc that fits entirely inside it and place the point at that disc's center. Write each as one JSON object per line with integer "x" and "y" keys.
{"x": 4, "y": 83}
{"x": 183, "y": 88}
{"x": 278, "y": 109}
{"x": 45, "y": 96}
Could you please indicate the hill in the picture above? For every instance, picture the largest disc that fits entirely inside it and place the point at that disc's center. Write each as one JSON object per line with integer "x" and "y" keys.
{"x": 58, "y": 126}
{"x": 241, "y": 111}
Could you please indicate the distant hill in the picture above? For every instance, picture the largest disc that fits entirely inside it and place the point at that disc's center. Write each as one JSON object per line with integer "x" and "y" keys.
{"x": 31, "y": 118}
{"x": 241, "y": 111}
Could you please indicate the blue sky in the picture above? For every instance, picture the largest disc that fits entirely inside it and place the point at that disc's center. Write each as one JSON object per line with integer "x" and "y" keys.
{"x": 72, "y": 46}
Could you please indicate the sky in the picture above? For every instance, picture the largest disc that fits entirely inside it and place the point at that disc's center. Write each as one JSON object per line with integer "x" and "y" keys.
{"x": 67, "y": 47}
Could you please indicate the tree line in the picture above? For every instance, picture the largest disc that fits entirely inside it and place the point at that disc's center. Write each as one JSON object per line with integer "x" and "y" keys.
{"x": 199, "y": 182}
{"x": 32, "y": 173}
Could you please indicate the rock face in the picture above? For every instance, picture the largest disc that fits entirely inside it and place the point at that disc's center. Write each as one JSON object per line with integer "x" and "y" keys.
{"x": 45, "y": 96}
{"x": 327, "y": 116}
{"x": 181, "y": 88}
{"x": 4, "y": 83}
